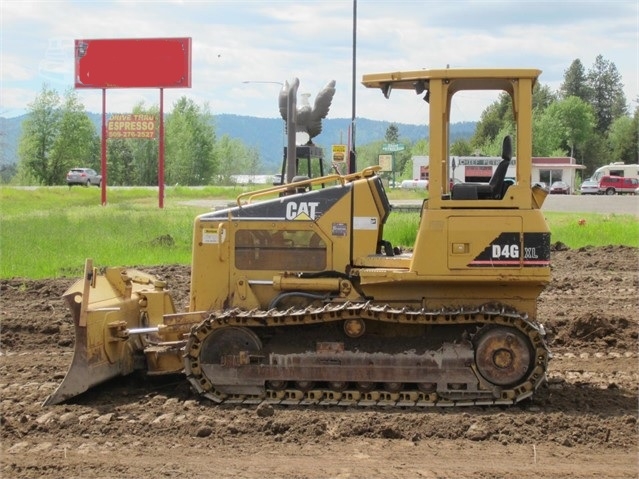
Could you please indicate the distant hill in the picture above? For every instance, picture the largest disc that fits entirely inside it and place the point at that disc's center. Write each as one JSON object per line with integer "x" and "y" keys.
{"x": 10, "y": 131}
{"x": 264, "y": 134}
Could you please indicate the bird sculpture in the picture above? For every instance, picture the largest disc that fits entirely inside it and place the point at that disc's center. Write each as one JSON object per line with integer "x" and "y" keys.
{"x": 307, "y": 119}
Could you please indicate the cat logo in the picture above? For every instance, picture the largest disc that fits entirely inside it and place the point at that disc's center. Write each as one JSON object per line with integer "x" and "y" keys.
{"x": 301, "y": 211}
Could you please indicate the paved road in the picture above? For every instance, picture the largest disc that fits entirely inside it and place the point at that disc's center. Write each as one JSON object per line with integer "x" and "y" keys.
{"x": 623, "y": 205}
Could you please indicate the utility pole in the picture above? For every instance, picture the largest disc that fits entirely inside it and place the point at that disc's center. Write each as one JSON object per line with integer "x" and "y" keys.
{"x": 352, "y": 156}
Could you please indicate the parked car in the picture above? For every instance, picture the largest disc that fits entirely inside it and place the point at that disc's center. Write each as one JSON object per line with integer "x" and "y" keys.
{"x": 84, "y": 177}
{"x": 612, "y": 185}
{"x": 589, "y": 187}
{"x": 559, "y": 188}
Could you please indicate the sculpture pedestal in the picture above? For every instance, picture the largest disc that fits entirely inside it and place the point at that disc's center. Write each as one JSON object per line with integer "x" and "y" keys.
{"x": 306, "y": 153}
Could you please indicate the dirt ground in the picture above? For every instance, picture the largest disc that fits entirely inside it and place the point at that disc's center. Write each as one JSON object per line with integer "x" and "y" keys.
{"x": 581, "y": 424}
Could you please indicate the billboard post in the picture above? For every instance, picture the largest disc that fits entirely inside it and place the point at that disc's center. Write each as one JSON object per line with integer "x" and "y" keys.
{"x": 103, "y": 151}
{"x": 161, "y": 153}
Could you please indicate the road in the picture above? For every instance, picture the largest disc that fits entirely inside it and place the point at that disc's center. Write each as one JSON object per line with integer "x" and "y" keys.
{"x": 621, "y": 204}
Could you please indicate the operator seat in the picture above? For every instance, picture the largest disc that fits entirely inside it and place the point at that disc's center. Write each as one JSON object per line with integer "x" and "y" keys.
{"x": 496, "y": 187}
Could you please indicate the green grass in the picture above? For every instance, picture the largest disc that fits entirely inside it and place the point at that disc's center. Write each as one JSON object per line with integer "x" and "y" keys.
{"x": 567, "y": 228}
{"x": 588, "y": 229}
{"x": 48, "y": 232}
{"x": 55, "y": 243}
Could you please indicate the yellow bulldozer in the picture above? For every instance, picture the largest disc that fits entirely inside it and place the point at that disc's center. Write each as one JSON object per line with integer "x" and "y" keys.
{"x": 297, "y": 298}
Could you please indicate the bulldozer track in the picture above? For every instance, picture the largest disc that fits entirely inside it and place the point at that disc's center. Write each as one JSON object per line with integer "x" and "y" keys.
{"x": 486, "y": 315}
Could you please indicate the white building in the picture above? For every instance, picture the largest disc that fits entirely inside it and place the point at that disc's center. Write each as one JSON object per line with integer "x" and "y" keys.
{"x": 480, "y": 169}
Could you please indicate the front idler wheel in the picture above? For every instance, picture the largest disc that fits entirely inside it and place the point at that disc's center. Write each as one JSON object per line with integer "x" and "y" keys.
{"x": 229, "y": 345}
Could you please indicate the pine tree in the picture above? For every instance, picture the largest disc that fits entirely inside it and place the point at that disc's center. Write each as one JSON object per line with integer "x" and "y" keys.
{"x": 576, "y": 82}
{"x": 608, "y": 99}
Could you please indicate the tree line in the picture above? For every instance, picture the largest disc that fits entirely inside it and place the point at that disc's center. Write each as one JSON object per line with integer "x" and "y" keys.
{"x": 587, "y": 118}
{"x": 58, "y": 135}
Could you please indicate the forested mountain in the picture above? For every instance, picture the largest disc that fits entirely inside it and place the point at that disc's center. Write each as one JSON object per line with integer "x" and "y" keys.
{"x": 264, "y": 134}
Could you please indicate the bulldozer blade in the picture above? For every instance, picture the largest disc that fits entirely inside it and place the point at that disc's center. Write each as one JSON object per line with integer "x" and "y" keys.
{"x": 98, "y": 354}
{"x": 78, "y": 378}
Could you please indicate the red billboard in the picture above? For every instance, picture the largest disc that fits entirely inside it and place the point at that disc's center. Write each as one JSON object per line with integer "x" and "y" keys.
{"x": 133, "y": 63}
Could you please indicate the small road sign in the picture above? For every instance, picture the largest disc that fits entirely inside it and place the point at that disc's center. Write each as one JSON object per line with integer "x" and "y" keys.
{"x": 392, "y": 147}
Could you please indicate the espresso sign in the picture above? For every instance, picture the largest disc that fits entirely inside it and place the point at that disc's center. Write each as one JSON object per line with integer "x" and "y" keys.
{"x": 131, "y": 126}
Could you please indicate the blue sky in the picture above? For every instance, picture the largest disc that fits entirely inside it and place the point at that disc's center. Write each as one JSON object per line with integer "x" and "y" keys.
{"x": 240, "y": 41}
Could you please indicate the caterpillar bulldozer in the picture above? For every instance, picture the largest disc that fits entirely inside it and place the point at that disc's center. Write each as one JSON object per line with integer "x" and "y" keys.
{"x": 296, "y": 297}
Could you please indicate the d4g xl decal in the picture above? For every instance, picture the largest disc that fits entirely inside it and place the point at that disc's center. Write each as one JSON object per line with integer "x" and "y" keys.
{"x": 508, "y": 251}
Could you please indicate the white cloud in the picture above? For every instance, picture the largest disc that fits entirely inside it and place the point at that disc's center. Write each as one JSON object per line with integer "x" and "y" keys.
{"x": 240, "y": 41}
{"x": 13, "y": 101}
{"x": 12, "y": 69}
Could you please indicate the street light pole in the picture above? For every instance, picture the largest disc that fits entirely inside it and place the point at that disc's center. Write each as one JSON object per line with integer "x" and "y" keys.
{"x": 259, "y": 81}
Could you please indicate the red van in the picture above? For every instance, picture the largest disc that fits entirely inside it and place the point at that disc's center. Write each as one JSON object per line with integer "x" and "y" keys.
{"x": 613, "y": 185}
